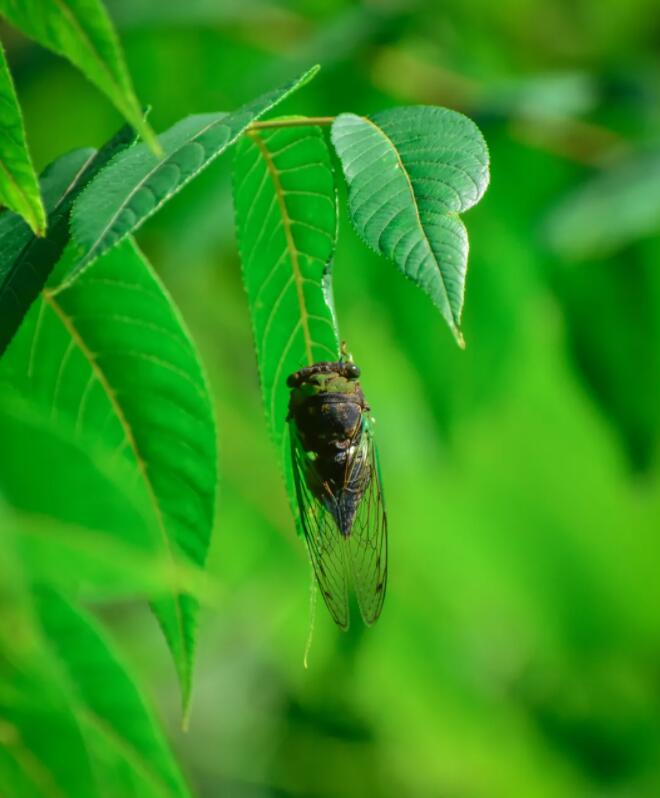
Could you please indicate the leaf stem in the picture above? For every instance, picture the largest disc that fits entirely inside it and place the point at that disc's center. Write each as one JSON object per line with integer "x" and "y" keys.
{"x": 307, "y": 120}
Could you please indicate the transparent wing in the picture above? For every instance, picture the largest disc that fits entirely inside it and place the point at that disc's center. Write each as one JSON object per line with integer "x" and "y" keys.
{"x": 324, "y": 540}
{"x": 367, "y": 543}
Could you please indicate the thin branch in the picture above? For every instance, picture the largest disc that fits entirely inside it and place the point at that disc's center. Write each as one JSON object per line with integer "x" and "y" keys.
{"x": 305, "y": 121}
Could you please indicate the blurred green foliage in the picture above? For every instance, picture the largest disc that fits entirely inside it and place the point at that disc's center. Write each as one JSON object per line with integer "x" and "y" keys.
{"x": 519, "y": 650}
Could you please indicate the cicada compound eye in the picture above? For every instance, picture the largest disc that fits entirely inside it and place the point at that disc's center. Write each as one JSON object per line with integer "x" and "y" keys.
{"x": 352, "y": 371}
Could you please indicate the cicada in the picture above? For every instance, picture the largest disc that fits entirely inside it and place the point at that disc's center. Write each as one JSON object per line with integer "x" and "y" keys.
{"x": 338, "y": 487}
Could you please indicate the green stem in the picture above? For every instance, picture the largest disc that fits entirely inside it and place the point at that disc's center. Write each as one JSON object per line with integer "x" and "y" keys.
{"x": 308, "y": 120}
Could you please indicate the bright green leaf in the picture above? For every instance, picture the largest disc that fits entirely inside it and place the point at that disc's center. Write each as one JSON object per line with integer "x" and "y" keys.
{"x": 19, "y": 188}
{"x": 82, "y": 31}
{"x": 105, "y": 697}
{"x": 286, "y": 216}
{"x": 138, "y": 183}
{"x": 111, "y": 361}
{"x": 410, "y": 172}
{"x": 25, "y": 260}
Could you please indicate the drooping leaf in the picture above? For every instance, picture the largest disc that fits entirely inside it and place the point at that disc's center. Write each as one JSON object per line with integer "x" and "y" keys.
{"x": 138, "y": 183}
{"x": 19, "y": 187}
{"x": 111, "y": 361}
{"x": 105, "y": 697}
{"x": 410, "y": 172}
{"x": 286, "y": 217}
{"x": 25, "y": 260}
{"x": 82, "y": 32}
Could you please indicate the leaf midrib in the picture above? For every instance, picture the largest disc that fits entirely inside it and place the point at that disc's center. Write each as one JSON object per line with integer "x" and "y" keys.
{"x": 291, "y": 245}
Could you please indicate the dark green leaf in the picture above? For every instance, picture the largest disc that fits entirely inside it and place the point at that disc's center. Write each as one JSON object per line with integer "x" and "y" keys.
{"x": 19, "y": 188}
{"x": 410, "y": 172}
{"x": 82, "y": 31}
{"x": 138, "y": 183}
{"x": 25, "y": 260}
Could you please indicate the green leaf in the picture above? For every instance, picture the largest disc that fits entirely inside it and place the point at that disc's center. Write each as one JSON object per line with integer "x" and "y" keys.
{"x": 19, "y": 188}
{"x": 111, "y": 362}
{"x": 85, "y": 487}
{"x": 82, "y": 32}
{"x": 105, "y": 697}
{"x": 25, "y": 260}
{"x": 85, "y": 527}
{"x": 286, "y": 217}
{"x": 137, "y": 183}
{"x": 410, "y": 172}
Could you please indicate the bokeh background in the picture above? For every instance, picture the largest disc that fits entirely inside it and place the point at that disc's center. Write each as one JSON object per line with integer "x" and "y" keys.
{"x": 519, "y": 651}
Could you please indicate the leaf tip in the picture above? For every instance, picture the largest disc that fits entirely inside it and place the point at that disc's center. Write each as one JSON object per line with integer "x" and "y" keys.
{"x": 39, "y": 228}
{"x": 152, "y": 142}
{"x": 311, "y": 73}
{"x": 185, "y": 718}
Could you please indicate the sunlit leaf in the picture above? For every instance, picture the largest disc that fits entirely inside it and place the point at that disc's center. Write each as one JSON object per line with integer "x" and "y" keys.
{"x": 410, "y": 172}
{"x": 284, "y": 195}
{"x": 116, "y": 710}
{"x": 110, "y": 361}
{"x": 138, "y": 183}
{"x": 82, "y": 31}
{"x": 19, "y": 188}
{"x": 25, "y": 260}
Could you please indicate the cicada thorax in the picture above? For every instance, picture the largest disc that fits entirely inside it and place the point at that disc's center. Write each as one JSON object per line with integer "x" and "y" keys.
{"x": 327, "y": 408}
